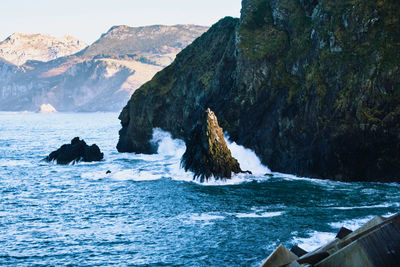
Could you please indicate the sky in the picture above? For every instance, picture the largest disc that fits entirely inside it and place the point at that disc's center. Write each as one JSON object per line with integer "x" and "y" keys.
{"x": 88, "y": 19}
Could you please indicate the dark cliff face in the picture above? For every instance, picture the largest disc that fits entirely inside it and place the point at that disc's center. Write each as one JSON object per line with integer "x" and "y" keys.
{"x": 312, "y": 86}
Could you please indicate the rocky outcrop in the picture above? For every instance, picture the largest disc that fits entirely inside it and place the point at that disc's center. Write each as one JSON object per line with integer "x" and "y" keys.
{"x": 75, "y": 152}
{"x": 311, "y": 86}
{"x": 206, "y": 152}
{"x": 101, "y": 77}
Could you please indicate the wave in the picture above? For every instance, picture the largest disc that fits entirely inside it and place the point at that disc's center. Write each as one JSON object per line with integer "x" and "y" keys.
{"x": 205, "y": 217}
{"x": 247, "y": 158}
{"x": 262, "y": 215}
{"x": 213, "y": 216}
{"x": 175, "y": 148}
{"x": 166, "y": 164}
{"x": 168, "y": 157}
{"x": 314, "y": 240}
{"x": 124, "y": 175}
{"x": 384, "y": 205}
{"x": 167, "y": 146}
{"x": 351, "y": 224}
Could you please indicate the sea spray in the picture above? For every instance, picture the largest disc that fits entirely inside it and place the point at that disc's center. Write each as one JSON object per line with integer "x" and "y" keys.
{"x": 173, "y": 149}
{"x": 166, "y": 164}
{"x": 314, "y": 240}
{"x": 247, "y": 158}
{"x": 167, "y": 146}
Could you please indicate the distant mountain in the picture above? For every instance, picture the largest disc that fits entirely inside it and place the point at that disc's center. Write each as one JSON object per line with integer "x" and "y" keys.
{"x": 157, "y": 44}
{"x": 100, "y": 77}
{"x": 19, "y": 48}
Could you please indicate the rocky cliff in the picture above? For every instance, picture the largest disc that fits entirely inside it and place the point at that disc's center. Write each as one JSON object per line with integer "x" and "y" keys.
{"x": 101, "y": 77}
{"x": 312, "y": 86}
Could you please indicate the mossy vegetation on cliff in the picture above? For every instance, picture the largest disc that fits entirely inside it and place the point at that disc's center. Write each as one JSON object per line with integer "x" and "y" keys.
{"x": 313, "y": 86}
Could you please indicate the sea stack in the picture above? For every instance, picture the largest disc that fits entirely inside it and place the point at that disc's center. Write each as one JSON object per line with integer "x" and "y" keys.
{"x": 206, "y": 152}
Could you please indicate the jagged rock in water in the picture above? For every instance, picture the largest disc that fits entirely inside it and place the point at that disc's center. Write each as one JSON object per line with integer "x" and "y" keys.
{"x": 77, "y": 151}
{"x": 206, "y": 151}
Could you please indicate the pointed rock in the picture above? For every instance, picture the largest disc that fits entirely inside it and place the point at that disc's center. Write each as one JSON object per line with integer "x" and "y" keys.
{"x": 206, "y": 151}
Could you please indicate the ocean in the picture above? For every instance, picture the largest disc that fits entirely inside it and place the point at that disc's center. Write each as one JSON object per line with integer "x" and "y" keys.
{"x": 148, "y": 211}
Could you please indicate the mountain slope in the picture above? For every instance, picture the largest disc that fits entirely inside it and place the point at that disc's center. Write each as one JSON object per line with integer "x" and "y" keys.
{"x": 19, "y": 48}
{"x": 313, "y": 87}
{"x": 157, "y": 44}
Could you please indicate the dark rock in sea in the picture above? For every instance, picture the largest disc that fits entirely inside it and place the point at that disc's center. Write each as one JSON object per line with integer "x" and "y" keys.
{"x": 77, "y": 151}
{"x": 311, "y": 86}
{"x": 108, "y": 172}
{"x": 206, "y": 152}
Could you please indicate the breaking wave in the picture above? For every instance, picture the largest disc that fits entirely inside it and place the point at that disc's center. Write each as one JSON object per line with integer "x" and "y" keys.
{"x": 166, "y": 164}
{"x": 314, "y": 240}
{"x": 262, "y": 215}
{"x": 248, "y": 160}
{"x": 351, "y": 224}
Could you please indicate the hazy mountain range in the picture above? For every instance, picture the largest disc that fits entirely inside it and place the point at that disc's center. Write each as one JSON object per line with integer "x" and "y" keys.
{"x": 19, "y": 48}
{"x": 38, "y": 69}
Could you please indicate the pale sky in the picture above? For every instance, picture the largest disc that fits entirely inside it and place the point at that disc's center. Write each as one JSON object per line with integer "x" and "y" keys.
{"x": 88, "y": 19}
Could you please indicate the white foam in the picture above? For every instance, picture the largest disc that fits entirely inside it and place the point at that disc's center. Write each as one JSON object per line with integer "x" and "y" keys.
{"x": 385, "y": 205}
{"x": 205, "y": 217}
{"x": 125, "y": 175}
{"x": 136, "y": 175}
{"x": 167, "y": 146}
{"x": 389, "y": 214}
{"x": 314, "y": 240}
{"x": 94, "y": 175}
{"x": 235, "y": 180}
{"x": 247, "y": 159}
{"x": 351, "y": 224}
{"x": 262, "y": 215}
{"x": 171, "y": 150}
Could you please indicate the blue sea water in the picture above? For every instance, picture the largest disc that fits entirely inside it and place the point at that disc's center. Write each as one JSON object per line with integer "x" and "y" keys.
{"x": 148, "y": 212}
